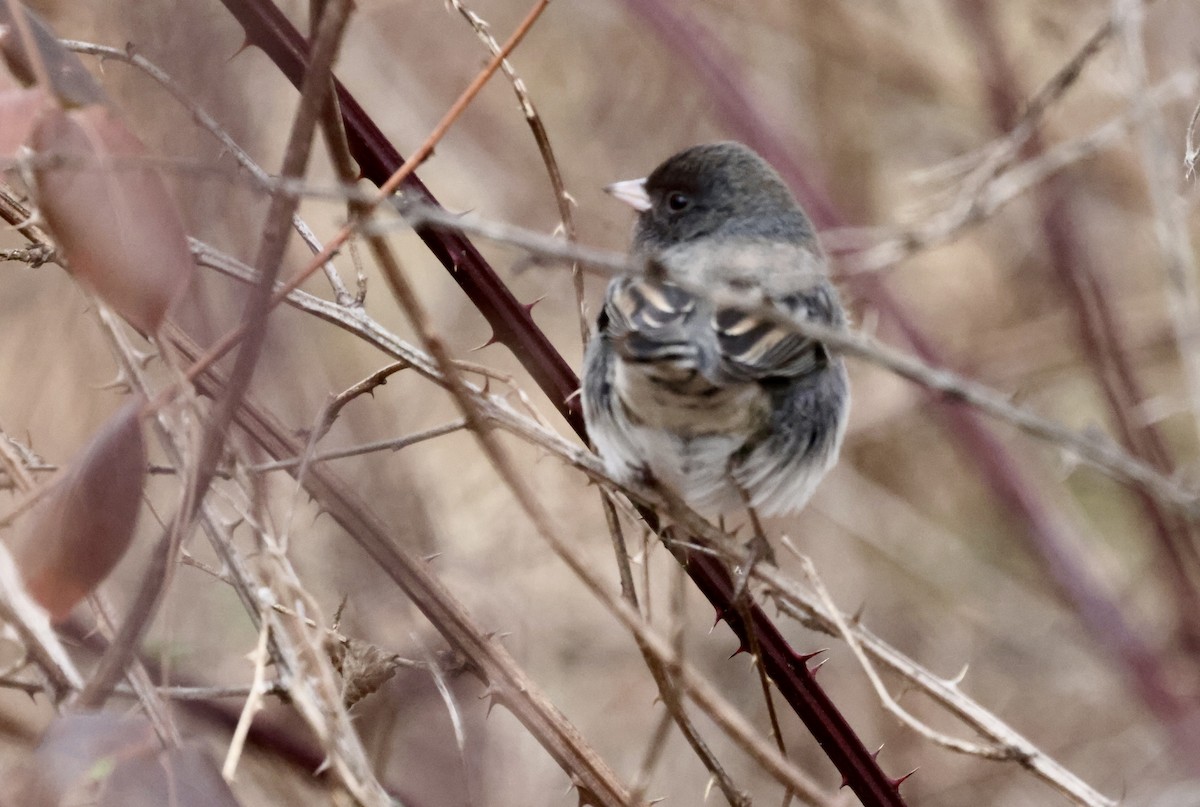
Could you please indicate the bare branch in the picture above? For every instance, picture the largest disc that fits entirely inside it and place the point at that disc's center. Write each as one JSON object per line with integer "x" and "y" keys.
{"x": 542, "y": 137}
{"x": 940, "y": 690}
{"x": 261, "y": 178}
{"x": 393, "y": 444}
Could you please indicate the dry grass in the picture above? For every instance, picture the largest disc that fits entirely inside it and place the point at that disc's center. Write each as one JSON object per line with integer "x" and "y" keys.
{"x": 886, "y": 108}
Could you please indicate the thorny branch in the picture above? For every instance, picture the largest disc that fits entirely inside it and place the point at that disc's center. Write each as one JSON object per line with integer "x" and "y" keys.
{"x": 1047, "y": 532}
{"x": 325, "y": 715}
{"x": 254, "y": 330}
{"x": 357, "y": 322}
{"x": 542, "y": 137}
{"x": 512, "y": 325}
{"x": 262, "y": 179}
{"x": 949, "y": 389}
{"x": 1095, "y": 450}
{"x": 498, "y": 410}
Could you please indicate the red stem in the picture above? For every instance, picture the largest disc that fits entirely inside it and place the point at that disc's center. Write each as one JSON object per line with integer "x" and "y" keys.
{"x": 1099, "y": 330}
{"x": 1045, "y": 531}
{"x": 268, "y": 29}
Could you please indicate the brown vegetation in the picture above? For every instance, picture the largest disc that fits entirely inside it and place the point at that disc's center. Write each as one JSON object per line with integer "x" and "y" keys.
{"x": 1003, "y": 567}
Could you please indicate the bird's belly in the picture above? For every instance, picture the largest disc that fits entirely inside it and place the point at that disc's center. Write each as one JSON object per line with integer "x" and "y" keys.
{"x": 681, "y": 401}
{"x": 687, "y": 432}
{"x": 697, "y": 469}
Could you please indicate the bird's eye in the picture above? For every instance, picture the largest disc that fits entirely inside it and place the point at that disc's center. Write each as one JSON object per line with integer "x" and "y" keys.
{"x": 678, "y": 201}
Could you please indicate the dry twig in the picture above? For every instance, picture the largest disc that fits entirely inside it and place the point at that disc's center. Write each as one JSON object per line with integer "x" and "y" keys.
{"x": 499, "y": 412}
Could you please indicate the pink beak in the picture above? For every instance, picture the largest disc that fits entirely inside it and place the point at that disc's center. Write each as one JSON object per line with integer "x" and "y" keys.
{"x": 632, "y": 192}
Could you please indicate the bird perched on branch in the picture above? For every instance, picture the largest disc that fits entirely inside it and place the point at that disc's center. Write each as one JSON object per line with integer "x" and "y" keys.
{"x": 684, "y": 384}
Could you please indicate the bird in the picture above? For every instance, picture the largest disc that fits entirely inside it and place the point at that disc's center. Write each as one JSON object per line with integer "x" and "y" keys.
{"x": 685, "y": 386}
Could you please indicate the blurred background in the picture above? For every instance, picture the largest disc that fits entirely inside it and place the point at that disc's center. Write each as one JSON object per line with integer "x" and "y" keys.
{"x": 1071, "y": 598}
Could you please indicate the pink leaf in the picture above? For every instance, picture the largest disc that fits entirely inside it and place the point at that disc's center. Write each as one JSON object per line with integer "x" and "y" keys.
{"x": 80, "y": 529}
{"x": 111, "y": 214}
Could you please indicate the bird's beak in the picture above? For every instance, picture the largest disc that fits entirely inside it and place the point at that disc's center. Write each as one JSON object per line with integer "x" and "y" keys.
{"x": 632, "y": 192}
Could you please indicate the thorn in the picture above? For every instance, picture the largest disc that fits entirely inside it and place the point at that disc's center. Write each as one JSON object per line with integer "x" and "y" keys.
{"x": 856, "y": 619}
{"x": 493, "y": 339}
{"x": 845, "y": 782}
{"x": 434, "y": 556}
{"x": 337, "y": 615}
{"x": 962, "y": 674}
{"x": 120, "y": 382}
{"x": 814, "y": 670}
{"x": 245, "y": 46}
{"x": 529, "y": 306}
{"x": 492, "y": 697}
{"x": 712, "y": 780}
{"x": 143, "y": 359}
{"x": 741, "y": 649}
{"x": 804, "y": 658}
{"x": 722, "y": 613}
{"x": 875, "y": 753}
{"x": 897, "y": 782}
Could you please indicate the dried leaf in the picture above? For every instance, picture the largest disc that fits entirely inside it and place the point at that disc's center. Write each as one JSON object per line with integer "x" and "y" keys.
{"x": 80, "y": 529}
{"x": 363, "y": 666}
{"x": 108, "y": 761}
{"x": 111, "y": 214}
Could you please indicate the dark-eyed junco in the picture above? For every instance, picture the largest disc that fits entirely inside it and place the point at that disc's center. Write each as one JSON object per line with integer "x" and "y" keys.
{"x": 706, "y": 399}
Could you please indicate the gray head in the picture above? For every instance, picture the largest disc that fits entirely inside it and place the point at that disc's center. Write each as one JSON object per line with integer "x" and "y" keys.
{"x": 714, "y": 189}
